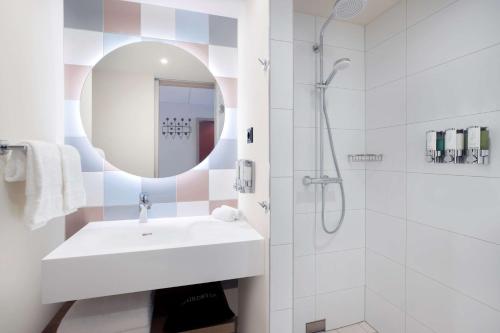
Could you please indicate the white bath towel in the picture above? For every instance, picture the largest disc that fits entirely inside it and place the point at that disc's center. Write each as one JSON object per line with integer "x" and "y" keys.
{"x": 226, "y": 213}
{"x": 73, "y": 189}
{"x": 40, "y": 167}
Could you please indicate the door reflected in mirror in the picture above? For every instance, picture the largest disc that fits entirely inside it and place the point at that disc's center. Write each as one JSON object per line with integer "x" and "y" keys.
{"x": 152, "y": 109}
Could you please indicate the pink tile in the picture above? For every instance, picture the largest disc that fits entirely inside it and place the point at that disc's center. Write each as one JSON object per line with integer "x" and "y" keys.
{"x": 217, "y": 203}
{"x": 74, "y": 78}
{"x": 192, "y": 186}
{"x": 122, "y": 17}
{"x": 200, "y": 51}
{"x": 229, "y": 88}
{"x": 80, "y": 218}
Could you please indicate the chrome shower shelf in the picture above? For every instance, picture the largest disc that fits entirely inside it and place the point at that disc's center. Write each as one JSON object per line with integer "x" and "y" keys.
{"x": 364, "y": 157}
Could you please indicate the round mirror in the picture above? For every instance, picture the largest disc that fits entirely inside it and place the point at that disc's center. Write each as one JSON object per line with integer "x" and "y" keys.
{"x": 152, "y": 109}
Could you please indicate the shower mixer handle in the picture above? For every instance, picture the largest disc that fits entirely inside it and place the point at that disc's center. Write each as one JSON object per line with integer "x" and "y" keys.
{"x": 321, "y": 181}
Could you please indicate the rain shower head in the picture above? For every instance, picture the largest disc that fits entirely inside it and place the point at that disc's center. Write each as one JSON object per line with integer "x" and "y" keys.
{"x": 346, "y": 9}
{"x": 339, "y": 65}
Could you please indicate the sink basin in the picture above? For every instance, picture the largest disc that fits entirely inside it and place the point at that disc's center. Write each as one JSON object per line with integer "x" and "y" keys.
{"x": 116, "y": 257}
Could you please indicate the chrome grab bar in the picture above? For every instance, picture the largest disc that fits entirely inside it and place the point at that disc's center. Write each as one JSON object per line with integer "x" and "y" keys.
{"x": 323, "y": 180}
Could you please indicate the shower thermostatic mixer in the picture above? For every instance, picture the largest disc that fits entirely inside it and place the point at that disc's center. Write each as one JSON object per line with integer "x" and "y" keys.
{"x": 458, "y": 146}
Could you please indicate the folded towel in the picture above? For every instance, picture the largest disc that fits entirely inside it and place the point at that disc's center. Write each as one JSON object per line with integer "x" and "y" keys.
{"x": 226, "y": 213}
{"x": 41, "y": 169}
{"x": 73, "y": 189}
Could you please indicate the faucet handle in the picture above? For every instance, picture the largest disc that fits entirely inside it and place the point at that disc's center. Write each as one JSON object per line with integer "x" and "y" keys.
{"x": 144, "y": 200}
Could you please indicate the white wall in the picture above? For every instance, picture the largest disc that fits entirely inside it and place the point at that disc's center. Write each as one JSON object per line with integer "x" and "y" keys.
{"x": 329, "y": 273}
{"x": 124, "y": 127}
{"x": 433, "y": 253}
{"x": 253, "y": 111}
{"x": 31, "y": 104}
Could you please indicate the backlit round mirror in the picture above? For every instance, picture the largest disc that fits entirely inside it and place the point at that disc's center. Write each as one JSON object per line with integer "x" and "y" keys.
{"x": 152, "y": 109}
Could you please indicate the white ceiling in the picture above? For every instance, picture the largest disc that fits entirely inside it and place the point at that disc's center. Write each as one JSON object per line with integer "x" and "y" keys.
{"x": 324, "y": 7}
{"x": 144, "y": 58}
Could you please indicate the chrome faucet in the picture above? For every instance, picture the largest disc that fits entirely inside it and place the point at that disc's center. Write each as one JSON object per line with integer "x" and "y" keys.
{"x": 144, "y": 206}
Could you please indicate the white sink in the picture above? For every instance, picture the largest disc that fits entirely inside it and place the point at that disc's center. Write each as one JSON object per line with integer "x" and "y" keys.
{"x": 117, "y": 257}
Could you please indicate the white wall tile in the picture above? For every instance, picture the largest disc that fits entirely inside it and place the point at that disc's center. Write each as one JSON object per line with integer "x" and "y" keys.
{"x": 386, "y": 235}
{"x": 157, "y": 22}
{"x": 342, "y": 34}
{"x": 416, "y": 143}
{"x": 304, "y": 311}
{"x": 421, "y": 9}
{"x": 304, "y": 106}
{"x": 281, "y": 285}
{"x": 346, "y": 108}
{"x": 386, "y": 278}
{"x": 281, "y": 15}
{"x": 304, "y": 276}
{"x": 281, "y": 75}
{"x": 385, "y": 105}
{"x": 461, "y": 28}
{"x": 282, "y": 212}
{"x": 340, "y": 270}
{"x": 387, "y": 25}
{"x": 82, "y": 47}
{"x": 281, "y": 321}
{"x": 221, "y": 184}
{"x": 445, "y": 310}
{"x": 351, "y": 78}
{"x": 304, "y": 196}
{"x": 304, "y": 234}
{"x": 304, "y": 27}
{"x": 350, "y": 236}
{"x": 382, "y": 315}
{"x": 194, "y": 208}
{"x": 413, "y": 326}
{"x": 341, "y": 308}
{"x": 94, "y": 188}
{"x": 304, "y": 62}
{"x": 304, "y": 148}
{"x": 468, "y": 85}
{"x": 354, "y": 185}
{"x": 281, "y": 154}
{"x": 463, "y": 263}
{"x": 223, "y": 61}
{"x": 391, "y": 143}
{"x": 386, "y": 62}
{"x": 453, "y": 203}
{"x": 385, "y": 192}
{"x": 345, "y": 142}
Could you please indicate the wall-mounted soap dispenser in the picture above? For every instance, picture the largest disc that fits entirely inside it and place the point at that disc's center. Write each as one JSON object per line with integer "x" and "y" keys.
{"x": 478, "y": 145}
{"x": 245, "y": 176}
{"x": 431, "y": 150}
{"x": 454, "y": 145}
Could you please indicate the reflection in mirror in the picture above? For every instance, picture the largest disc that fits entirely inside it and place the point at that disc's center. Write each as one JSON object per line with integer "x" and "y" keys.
{"x": 152, "y": 109}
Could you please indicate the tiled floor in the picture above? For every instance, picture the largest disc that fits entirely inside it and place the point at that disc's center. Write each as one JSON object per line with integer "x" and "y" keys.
{"x": 362, "y": 327}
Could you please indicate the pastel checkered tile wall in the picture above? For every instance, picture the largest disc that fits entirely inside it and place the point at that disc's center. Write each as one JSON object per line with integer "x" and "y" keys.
{"x": 93, "y": 28}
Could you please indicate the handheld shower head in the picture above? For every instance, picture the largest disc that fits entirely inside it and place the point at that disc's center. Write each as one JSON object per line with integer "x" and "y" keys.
{"x": 339, "y": 65}
{"x": 346, "y": 9}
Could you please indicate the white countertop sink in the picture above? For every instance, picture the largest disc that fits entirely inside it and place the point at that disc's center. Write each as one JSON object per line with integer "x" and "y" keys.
{"x": 117, "y": 257}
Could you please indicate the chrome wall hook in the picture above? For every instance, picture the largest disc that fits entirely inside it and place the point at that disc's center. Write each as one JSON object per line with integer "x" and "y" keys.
{"x": 265, "y": 64}
{"x": 265, "y": 205}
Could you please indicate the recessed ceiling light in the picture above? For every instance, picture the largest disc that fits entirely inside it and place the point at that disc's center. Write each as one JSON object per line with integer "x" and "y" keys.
{"x": 164, "y": 61}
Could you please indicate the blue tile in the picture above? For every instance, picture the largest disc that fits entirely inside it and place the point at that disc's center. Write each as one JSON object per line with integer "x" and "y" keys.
{"x": 112, "y": 41}
{"x": 223, "y": 31}
{"x": 160, "y": 190}
{"x": 163, "y": 210}
{"x": 224, "y": 155}
{"x": 191, "y": 27}
{"x": 91, "y": 160}
{"x": 113, "y": 213}
{"x": 83, "y": 14}
{"x": 121, "y": 189}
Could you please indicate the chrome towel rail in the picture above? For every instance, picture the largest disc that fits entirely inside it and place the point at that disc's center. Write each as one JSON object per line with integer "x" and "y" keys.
{"x": 365, "y": 157}
{"x": 5, "y": 147}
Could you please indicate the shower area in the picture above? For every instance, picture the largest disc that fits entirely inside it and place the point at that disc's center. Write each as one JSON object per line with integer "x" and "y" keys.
{"x": 389, "y": 242}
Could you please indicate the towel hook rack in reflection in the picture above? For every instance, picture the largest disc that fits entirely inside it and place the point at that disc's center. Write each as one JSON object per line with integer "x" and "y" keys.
{"x": 5, "y": 147}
